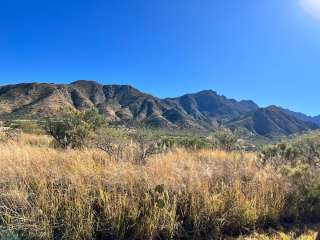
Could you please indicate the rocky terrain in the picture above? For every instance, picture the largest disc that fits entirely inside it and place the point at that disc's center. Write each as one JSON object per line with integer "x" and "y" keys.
{"x": 123, "y": 103}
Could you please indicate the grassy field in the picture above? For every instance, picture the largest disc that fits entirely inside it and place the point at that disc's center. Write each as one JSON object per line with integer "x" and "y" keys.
{"x": 48, "y": 193}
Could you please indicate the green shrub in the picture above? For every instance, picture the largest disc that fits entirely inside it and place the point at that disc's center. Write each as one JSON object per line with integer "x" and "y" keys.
{"x": 73, "y": 129}
{"x": 187, "y": 142}
{"x": 298, "y": 161}
{"x": 226, "y": 140}
{"x": 303, "y": 202}
{"x": 302, "y": 150}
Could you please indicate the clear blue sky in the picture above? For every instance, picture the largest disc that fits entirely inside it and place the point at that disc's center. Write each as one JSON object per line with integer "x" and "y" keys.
{"x": 267, "y": 51}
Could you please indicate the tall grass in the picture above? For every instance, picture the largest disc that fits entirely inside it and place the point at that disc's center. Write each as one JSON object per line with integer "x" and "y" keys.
{"x": 48, "y": 193}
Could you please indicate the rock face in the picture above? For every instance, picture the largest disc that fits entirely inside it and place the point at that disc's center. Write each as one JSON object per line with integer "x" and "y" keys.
{"x": 123, "y": 103}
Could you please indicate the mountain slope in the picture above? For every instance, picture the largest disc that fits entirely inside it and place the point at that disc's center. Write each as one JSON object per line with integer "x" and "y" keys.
{"x": 120, "y": 103}
{"x": 272, "y": 122}
{"x": 316, "y": 119}
{"x": 32, "y": 98}
{"x": 123, "y": 103}
{"x": 304, "y": 117}
{"x": 208, "y": 106}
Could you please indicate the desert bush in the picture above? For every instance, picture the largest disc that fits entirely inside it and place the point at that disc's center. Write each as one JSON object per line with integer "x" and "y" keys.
{"x": 147, "y": 144}
{"x": 226, "y": 140}
{"x": 302, "y": 150}
{"x": 298, "y": 161}
{"x": 141, "y": 143}
{"x": 303, "y": 201}
{"x": 278, "y": 155}
{"x": 74, "y": 128}
{"x": 112, "y": 141}
{"x": 308, "y": 149}
{"x": 187, "y": 142}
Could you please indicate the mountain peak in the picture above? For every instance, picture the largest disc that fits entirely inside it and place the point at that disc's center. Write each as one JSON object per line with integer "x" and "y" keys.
{"x": 272, "y": 108}
{"x": 202, "y": 110}
{"x": 85, "y": 82}
{"x": 207, "y": 92}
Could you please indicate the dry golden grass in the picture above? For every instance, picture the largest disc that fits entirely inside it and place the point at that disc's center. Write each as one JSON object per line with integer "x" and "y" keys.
{"x": 308, "y": 235}
{"x": 48, "y": 193}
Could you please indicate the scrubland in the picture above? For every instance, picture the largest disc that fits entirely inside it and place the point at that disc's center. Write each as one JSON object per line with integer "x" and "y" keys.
{"x": 54, "y": 193}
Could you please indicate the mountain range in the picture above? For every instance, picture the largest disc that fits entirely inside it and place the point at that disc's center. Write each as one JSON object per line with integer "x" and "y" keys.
{"x": 304, "y": 117}
{"x": 123, "y": 103}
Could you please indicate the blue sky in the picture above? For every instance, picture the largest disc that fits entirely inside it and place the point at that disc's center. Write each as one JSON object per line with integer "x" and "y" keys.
{"x": 267, "y": 51}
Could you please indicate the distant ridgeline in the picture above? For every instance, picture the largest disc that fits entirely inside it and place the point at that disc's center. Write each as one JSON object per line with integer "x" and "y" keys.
{"x": 205, "y": 110}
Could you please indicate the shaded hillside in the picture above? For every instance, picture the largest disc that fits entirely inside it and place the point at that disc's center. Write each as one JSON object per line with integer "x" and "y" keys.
{"x": 316, "y": 119}
{"x": 304, "y": 117}
{"x": 208, "y": 105}
{"x": 272, "y": 122}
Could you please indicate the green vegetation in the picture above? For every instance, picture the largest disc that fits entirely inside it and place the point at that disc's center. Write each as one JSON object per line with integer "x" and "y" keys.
{"x": 299, "y": 161}
{"x": 303, "y": 149}
{"x": 73, "y": 129}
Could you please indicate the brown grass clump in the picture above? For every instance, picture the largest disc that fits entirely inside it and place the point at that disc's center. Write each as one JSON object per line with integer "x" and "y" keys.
{"x": 48, "y": 193}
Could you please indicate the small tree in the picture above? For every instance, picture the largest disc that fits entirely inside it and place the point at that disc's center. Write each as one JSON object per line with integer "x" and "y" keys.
{"x": 147, "y": 145}
{"x": 113, "y": 142}
{"x": 74, "y": 128}
{"x": 93, "y": 118}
